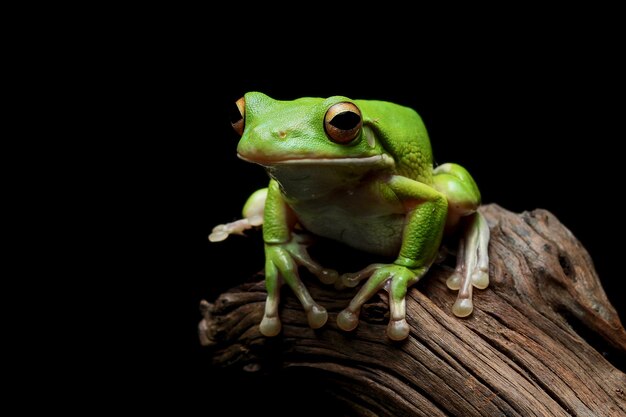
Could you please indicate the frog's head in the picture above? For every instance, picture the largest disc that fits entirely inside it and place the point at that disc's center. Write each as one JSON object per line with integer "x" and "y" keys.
{"x": 316, "y": 132}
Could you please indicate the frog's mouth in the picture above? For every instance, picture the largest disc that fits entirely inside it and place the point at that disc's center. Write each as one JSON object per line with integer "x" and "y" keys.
{"x": 311, "y": 178}
{"x": 380, "y": 161}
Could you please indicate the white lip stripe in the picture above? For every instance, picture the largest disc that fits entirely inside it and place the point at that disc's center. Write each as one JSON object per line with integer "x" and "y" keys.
{"x": 370, "y": 160}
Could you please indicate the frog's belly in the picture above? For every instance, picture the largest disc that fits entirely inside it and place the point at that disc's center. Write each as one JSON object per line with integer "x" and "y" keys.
{"x": 375, "y": 233}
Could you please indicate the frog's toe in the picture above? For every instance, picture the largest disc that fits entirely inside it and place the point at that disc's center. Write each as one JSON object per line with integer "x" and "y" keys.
{"x": 298, "y": 250}
{"x": 328, "y": 276}
{"x": 317, "y": 316}
{"x": 350, "y": 279}
{"x": 270, "y": 326}
{"x": 398, "y": 329}
{"x": 348, "y": 320}
{"x": 463, "y": 307}
{"x": 219, "y": 233}
{"x": 454, "y": 281}
{"x": 480, "y": 279}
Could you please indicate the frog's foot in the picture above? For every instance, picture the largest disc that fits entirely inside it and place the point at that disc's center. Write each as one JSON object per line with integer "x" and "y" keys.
{"x": 281, "y": 266}
{"x": 395, "y": 279}
{"x": 222, "y": 231}
{"x": 472, "y": 267}
{"x": 253, "y": 216}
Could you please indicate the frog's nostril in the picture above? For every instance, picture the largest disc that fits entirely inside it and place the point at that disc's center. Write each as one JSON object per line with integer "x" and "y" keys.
{"x": 276, "y": 134}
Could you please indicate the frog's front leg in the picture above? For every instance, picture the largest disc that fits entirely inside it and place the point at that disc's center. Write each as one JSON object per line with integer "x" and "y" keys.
{"x": 425, "y": 221}
{"x": 284, "y": 252}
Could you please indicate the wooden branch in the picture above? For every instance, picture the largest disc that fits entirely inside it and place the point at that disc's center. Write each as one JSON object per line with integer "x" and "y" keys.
{"x": 527, "y": 349}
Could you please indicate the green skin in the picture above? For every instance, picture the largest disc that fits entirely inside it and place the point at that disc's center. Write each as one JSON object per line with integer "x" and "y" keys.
{"x": 378, "y": 193}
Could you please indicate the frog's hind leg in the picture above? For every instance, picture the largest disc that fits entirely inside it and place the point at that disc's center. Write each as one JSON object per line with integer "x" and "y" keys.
{"x": 472, "y": 268}
{"x": 252, "y": 217}
{"x": 480, "y": 278}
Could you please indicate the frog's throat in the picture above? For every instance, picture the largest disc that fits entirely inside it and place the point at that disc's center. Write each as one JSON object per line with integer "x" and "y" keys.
{"x": 379, "y": 161}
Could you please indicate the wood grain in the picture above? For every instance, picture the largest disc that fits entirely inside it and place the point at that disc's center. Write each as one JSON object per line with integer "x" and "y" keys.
{"x": 530, "y": 348}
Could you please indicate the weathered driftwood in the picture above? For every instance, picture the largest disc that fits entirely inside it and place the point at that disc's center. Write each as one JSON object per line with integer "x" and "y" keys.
{"x": 528, "y": 349}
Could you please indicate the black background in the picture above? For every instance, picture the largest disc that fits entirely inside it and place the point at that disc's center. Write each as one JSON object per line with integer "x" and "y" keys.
{"x": 537, "y": 128}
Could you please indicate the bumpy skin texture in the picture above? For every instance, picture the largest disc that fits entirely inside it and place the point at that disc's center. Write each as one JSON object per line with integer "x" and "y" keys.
{"x": 359, "y": 172}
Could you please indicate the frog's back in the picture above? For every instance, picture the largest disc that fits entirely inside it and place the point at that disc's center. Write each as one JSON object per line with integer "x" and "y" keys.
{"x": 403, "y": 134}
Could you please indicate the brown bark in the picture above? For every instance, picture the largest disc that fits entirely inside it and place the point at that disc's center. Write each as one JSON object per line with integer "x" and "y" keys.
{"x": 530, "y": 348}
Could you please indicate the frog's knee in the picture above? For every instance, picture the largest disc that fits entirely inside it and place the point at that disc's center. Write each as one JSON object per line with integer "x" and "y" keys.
{"x": 459, "y": 188}
{"x": 255, "y": 206}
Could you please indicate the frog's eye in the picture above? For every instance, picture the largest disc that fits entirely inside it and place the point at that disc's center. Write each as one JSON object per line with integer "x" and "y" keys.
{"x": 238, "y": 115}
{"x": 343, "y": 122}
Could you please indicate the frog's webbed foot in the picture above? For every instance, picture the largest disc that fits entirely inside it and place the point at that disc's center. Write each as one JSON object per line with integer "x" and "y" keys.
{"x": 252, "y": 216}
{"x": 472, "y": 267}
{"x": 281, "y": 266}
{"x": 395, "y": 279}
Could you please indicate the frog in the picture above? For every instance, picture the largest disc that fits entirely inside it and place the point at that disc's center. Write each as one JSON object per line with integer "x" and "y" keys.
{"x": 359, "y": 172}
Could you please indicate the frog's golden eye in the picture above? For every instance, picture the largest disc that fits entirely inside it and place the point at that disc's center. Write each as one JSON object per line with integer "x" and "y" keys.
{"x": 237, "y": 117}
{"x": 343, "y": 122}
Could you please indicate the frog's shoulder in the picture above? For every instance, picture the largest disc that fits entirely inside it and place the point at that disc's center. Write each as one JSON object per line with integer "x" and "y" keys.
{"x": 402, "y": 133}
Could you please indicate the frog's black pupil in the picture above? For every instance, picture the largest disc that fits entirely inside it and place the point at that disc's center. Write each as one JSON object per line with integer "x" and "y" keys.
{"x": 346, "y": 120}
{"x": 235, "y": 114}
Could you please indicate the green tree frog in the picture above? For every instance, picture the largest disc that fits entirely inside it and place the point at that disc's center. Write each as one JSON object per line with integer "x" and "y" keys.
{"x": 359, "y": 172}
